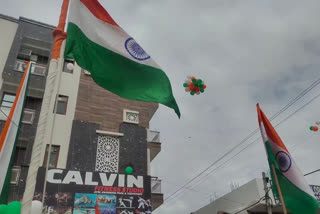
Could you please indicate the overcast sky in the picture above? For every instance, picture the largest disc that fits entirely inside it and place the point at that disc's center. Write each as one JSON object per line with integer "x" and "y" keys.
{"x": 247, "y": 51}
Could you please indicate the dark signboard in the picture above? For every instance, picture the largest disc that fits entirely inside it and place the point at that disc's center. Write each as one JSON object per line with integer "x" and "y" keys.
{"x": 78, "y": 192}
{"x": 316, "y": 190}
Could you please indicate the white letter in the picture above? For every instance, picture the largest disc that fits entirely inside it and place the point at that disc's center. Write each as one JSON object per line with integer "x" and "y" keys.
{"x": 138, "y": 182}
{"x": 50, "y": 176}
{"x": 121, "y": 180}
{"x": 88, "y": 179}
{"x": 107, "y": 182}
{"x": 73, "y": 176}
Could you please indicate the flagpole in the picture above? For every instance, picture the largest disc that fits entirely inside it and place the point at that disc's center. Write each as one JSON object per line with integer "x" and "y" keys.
{"x": 58, "y": 32}
{"x": 59, "y": 36}
{"x": 279, "y": 189}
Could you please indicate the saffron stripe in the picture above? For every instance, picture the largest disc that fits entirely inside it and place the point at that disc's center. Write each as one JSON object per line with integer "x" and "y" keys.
{"x": 8, "y": 122}
{"x": 98, "y": 11}
{"x": 271, "y": 133}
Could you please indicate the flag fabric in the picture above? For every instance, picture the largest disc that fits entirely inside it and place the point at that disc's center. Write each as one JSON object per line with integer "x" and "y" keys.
{"x": 297, "y": 194}
{"x": 9, "y": 135}
{"x": 114, "y": 59}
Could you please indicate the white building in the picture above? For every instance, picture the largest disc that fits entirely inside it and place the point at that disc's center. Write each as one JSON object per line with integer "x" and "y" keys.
{"x": 247, "y": 199}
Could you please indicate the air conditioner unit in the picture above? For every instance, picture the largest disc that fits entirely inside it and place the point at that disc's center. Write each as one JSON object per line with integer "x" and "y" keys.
{"x": 19, "y": 66}
{"x": 25, "y": 51}
{"x": 28, "y": 116}
{"x": 15, "y": 174}
{"x": 39, "y": 70}
{"x": 34, "y": 58}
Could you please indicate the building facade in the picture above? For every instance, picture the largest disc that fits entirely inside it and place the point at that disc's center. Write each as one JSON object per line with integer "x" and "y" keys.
{"x": 246, "y": 199}
{"x": 89, "y": 130}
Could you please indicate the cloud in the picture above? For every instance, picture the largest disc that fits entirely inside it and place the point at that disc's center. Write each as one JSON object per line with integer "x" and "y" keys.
{"x": 246, "y": 52}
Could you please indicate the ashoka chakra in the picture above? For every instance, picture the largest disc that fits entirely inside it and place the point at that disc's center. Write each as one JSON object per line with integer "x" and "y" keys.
{"x": 284, "y": 161}
{"x": 135, "y": 50}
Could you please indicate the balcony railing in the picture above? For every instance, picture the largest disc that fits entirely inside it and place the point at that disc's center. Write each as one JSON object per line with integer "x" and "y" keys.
{"x": 155, "y": 185}
{"x": 153, "y": 136}
{"x": 36, "y": 69}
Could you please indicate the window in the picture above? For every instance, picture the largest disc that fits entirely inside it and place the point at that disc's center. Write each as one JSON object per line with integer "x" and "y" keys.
{"x": 66, "y": 68}
{"x": 19, "y": 156}
{"x": 62, "y": 104}
{"x": 20, "y": 66}
{"x": 53, "y": 159}
{"x": 7, "y": 100}
{"x": 42, "y": 60}
{"x": 6, "y": 104}
{"x": 28, "y": 116}
{"x": 130, "y": 116}
{"x": 38, "y": 70}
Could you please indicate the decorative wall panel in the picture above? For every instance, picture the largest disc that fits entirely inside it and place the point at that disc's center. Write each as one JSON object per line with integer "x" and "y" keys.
{"x": 107, "y": 159}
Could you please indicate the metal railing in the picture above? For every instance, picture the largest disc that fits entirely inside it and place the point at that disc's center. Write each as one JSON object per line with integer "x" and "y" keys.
{"x": 37, "y": 69}
{"x": 153, "y": 136}
{"x": 155, "y": 185}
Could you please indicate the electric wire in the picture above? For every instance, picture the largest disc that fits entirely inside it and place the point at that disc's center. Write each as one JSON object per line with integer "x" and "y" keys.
{"x": 303, "y": 93}
{"x": 282, "y": 121}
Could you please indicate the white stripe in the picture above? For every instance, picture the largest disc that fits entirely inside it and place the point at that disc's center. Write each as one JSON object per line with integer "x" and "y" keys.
{"x": 9, "y": 141}
{"x": 109, "y": 36}
{"x": 293, "y": 174}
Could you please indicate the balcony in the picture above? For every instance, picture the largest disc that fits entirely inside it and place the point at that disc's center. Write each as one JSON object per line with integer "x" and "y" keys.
{"x": 12, "y": 77}
{"x": 154, "y": 144}
{"x": 156, "y": 194}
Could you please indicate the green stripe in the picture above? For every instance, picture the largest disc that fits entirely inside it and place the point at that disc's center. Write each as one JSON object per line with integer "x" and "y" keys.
{"x": 118, "y": 74}
{"x": 296, "y": 200}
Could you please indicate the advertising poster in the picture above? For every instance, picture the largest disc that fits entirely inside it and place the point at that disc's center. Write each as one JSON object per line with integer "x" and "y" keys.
{"x": 78, "y": 192}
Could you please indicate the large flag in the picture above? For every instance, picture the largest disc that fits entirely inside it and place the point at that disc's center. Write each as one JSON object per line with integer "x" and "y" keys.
{"x": 116, "y": 61}
{"x": 297, "y": 194}
{"x": 9, "y": 134}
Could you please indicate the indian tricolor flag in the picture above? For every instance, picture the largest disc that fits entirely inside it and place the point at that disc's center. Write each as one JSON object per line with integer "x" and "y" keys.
{"x": 116, "y": 61}
{"x": 9, "y": 135}
{"x": 297, "y": 194}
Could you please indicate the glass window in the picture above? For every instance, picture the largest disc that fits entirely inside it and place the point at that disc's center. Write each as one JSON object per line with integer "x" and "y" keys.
{"x": 62, "y": 104}
{"x": 6, "y": 105}
{"x": 53, "y": 159}
{"x": 7, "y": 100}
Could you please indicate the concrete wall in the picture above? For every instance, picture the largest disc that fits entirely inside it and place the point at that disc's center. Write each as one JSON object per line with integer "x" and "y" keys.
{"x": 12, "y": 35}
{"x": 55, "y": 128}
{"x": 27, "y": 31}
{"x": 9, "y": 28}
{"x": 236, "y": 200}
{"x": 63, "y": 123}
{"x": 92, "y": 99}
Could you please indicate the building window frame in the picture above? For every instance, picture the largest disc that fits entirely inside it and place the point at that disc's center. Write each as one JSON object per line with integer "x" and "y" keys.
{"x": 62, "y": 104}
{"x": 130, "y": 116}
{"x": 5, "y": 109}
{"x": 7, "y": 101}
{"x": 55, "y": 151}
